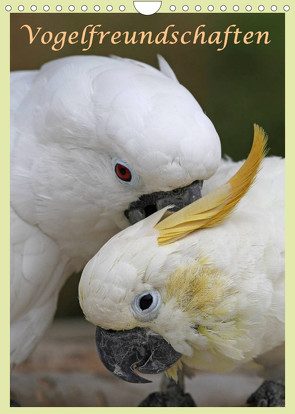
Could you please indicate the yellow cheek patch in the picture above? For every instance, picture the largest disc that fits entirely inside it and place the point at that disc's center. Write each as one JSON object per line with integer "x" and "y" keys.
{"x": 200, "y": 289}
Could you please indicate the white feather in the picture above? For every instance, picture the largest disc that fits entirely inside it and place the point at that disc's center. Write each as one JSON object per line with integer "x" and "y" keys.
{"x": 69, "y": 120}
{"x": 165, "y": 68}
{"x": 246, "y": 251}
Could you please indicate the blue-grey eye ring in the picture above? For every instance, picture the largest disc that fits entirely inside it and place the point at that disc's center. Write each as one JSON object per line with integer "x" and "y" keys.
{"x": 145, "y": 306}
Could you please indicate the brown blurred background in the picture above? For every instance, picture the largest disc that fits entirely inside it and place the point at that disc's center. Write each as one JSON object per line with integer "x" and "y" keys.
{"x": 236, "y": 87}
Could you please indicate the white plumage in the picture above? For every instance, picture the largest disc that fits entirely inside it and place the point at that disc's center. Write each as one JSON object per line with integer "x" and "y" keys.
{"x": 237, "y": 268}
{"x": 70, "y": 121}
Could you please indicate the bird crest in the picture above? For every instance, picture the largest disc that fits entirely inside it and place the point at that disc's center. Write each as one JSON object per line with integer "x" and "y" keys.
{"x": 215, "y": 207}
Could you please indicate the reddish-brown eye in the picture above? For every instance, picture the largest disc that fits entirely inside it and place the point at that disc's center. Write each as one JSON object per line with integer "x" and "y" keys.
{"x": 123, "y": 172}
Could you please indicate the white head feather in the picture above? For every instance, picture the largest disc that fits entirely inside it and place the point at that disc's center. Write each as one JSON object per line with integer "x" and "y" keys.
{"x": 80, "y": 114}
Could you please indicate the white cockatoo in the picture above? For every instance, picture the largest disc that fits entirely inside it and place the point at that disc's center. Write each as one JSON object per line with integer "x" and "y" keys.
{"x": 203, "y": 286}
{"x": 95, "y": 141}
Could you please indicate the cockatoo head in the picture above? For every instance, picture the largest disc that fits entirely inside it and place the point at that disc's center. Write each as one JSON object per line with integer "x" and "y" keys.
{"x": 147, "y": 291}
{"x": 121, "y": 292}
{"x": 160, "y": 144}
{"x": 118, "y": 140}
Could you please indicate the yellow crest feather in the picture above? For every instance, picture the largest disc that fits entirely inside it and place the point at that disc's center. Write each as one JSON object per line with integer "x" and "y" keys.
{"x": 213, "y": 208}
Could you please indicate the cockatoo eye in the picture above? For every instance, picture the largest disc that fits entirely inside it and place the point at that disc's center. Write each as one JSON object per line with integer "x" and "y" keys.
{"x": 123, "y": 172}
{"x": 145, "y": 306}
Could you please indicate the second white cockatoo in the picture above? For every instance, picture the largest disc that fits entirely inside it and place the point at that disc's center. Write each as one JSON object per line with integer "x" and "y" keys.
{"x": 203, "y": 286}
{"x": 97, "y": 143}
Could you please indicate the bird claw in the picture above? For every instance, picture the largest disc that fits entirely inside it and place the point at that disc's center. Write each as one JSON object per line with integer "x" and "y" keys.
{"x": 173, "y": 396}
{"x": 163, "y": 399}
{"x": 269, "y": 394}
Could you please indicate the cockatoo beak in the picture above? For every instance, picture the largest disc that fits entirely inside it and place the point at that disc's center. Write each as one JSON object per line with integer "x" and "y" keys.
{"x": 123, "y": 351}
{"x": 150, "y": 203}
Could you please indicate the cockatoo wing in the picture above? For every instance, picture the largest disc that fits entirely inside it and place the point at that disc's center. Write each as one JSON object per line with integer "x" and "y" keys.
{"x": 33, "y": 298}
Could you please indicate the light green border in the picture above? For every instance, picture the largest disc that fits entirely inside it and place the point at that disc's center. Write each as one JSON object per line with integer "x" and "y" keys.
{"x": 4, "y": 165}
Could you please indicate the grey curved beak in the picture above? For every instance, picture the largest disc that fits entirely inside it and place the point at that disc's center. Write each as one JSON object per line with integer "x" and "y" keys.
{"x": 150, "y": 203}
{"x": 123, "y": 351}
